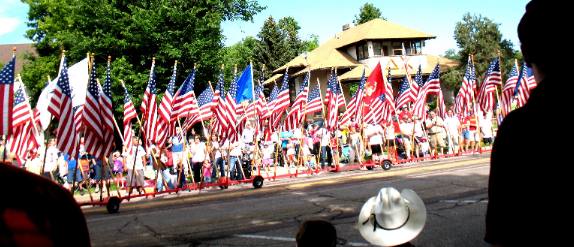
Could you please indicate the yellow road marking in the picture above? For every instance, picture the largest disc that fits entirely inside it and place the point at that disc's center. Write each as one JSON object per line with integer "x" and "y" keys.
{"x": 391, "y": 173}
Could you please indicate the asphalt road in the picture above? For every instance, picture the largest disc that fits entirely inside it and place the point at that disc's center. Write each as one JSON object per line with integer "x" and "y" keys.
{"x": 454, "y": 193}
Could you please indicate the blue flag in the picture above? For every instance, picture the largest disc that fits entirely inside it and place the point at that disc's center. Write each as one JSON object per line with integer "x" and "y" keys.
{"x": 245, "y": 85}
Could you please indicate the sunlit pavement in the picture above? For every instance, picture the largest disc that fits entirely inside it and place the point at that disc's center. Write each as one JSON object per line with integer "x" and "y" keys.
{"x": 453, "y": 190}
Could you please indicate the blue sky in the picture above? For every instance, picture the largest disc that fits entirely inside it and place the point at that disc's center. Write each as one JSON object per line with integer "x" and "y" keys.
{"x": 326, "y": 17}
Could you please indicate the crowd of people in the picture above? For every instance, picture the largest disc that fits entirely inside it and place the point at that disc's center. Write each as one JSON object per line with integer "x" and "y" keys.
{"x": 189, "y": 157}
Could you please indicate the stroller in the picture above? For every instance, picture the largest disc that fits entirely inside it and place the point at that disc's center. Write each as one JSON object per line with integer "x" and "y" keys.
{"x": 246, "y": 158}
{"x": 346, "y": 153}
{"x": 424, "y": 146}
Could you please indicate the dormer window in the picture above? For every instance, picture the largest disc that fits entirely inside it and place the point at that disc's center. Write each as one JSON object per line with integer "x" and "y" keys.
{"x": 362, "y": 51}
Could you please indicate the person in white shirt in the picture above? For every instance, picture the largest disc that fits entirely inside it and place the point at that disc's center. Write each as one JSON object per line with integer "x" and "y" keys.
{"x": 198, "y": 157}
{"x": 136, "y": 156}
{"x": 51, "y": 162}
{"x": 374, "y": 133}
{"x": 235, "y": 160}
{"x": 453, "y": 128}
{"x": 356, "y": 145}
{"x": 407, "y": 128}
{"x": 325, "y": 137}
{"x": 436, "y": 132}
{"x": 248, "y": 134}
{"x": 486, "y": 128}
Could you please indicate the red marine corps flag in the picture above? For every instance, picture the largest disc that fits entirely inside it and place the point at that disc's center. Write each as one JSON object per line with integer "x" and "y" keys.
{"x": 374, "y": 87}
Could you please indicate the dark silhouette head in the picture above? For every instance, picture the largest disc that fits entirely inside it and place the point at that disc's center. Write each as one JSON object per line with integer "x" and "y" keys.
{"x": 539, "y": 39}
{"x": 316, "y": 233}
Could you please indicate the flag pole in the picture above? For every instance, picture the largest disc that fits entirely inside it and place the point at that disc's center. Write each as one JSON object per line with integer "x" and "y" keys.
{"x": 478, "y": 142}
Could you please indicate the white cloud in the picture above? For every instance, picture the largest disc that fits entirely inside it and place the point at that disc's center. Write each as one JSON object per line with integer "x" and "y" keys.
{"x": 9, "y": 24}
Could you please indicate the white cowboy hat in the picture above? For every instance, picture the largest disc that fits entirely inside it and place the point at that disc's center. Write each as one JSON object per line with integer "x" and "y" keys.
{"x": 392, "y": 218}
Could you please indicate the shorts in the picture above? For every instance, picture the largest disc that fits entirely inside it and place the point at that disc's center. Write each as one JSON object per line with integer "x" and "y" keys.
{"x": 487, "y": 140}
{"x": 267, "y": 162}
{"x": 70, "y": 176}
{"x": 138, "y": 178}
{"x": 436, "y": 140}
{"x": 454, "y": 138}
{"x": 471, "y": 135}
{"x": 376, "y": 149}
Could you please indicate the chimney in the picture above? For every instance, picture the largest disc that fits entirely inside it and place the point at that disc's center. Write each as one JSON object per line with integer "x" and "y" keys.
{"x": 347, "y": 26}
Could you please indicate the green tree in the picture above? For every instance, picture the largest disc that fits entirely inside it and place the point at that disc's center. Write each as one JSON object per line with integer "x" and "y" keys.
{"x": 132, "y": 32}
{"x": 312, "y": 43}
{"x": 289, "y": 29}
{"x": 279, "y": 42}
{"x": 481, "y": 37}
{"x": 239, "y": 54}
{"x": 368, "y": 12}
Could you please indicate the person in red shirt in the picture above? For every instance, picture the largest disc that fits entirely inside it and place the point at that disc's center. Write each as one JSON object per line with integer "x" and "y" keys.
{"x": 471, "y": 136}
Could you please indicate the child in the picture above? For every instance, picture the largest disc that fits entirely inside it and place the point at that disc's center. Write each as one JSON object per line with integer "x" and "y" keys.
{"x": 308, "y": 157}
{"x": 267, "y": 155}
{"x": 207, "y": 171}
{"x": 118, "y": 168}
{"x": 291, "y": 154}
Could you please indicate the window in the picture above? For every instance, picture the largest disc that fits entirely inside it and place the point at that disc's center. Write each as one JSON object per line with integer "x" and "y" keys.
{"x": 362, "y": 51}
{"x": 377, "y": 48}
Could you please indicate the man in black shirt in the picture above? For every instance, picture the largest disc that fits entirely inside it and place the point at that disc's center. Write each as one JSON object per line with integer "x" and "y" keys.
{"x": 527, "y": 184}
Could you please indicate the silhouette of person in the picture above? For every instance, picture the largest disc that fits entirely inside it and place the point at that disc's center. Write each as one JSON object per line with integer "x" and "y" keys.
{"x": 35, "y": 211}
{"x": 316, "y": 233}
{"x": 526, "y": 184}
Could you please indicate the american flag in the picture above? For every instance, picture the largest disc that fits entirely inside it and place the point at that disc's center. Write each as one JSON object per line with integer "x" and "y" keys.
{"x": 219, "y": 90}
{"x": 432, "y": 86}
{"x": 291, "y": 120}
{"x": 459, "y": 105}
{"x": 7, "y": 96}
{"x": 149, "y": 109}
{"x": 165, "y": 126}
{"x": 332, "y": 102}
{"x": 508, "y": 90}
{"x": 225, "y": 111}
{"x": 389, "y": 108}
{"x": 107, "y": 114}
{"x": 61, "y": 107}
{"x": 22, "y": 140}
{"x": 405, "y": 95}
{"x": 283, "y": 100}
{"x": 352, "y": 111}
{"x": 259, "y": 105}
{"x": 376, "y": 110}
{"x": 493, "y": 79}
{"x": 296, "y": 114}
{"x": 260, "y": 101}
{"x": 271, "y": 101}
{"x": 21, "y": 110}
{"x": 165, "y": 107}
{"x": 301, "y": 98}
{"x": 129, "y": 114}
{"x": 78, "y": 118}
{"x": 184, "y": 103}
{"x": 418, "y": 83}
{"x": 205, "y": 102}
{"x": 91, "y": 117}
{"x": 524, "y": 85}
{"x": 23, "y": 137}
{"x": 468, "y": 85}
{"x": 314, "y": 101}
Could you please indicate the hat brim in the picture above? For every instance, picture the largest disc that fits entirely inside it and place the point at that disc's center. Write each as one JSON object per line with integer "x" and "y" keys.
{"x": 407, "y": 232}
